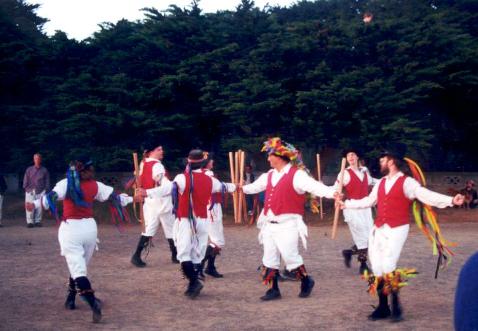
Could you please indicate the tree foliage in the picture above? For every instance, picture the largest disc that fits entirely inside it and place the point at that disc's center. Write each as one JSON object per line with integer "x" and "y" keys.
{"x": 314, "y": 73}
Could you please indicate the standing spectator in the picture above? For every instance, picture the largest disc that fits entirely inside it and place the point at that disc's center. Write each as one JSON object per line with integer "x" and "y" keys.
{"x": 35, "y": 183}
{"x": 3, "y": 189}
{"x": 471, "y": 196}
{"x": 249, "y": 178}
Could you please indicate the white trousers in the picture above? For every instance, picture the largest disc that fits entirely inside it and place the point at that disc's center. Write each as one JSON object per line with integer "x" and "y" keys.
{"x": 360, "y": 224}
{"x": 1, "y": 205}
{"x": 77, "y": 242}
{"x": 33, "y": 216}
{"x": 216, "y": 228}
{"x": 385, "y": 246}
{"x": 154, "y": 215}
{"x": 191, "y": 244}
{"x": 281, "y": 239}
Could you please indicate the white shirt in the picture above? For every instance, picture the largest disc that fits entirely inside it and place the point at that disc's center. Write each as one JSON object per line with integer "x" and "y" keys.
{"x": 103, "y": 194}
{"x": 158, "y": 173}
{"x": 301, "y": 182}
{"x": 412, "y": 190}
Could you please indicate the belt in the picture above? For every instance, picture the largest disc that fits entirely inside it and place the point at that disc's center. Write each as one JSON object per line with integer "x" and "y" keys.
{"x": 273, "y": 222}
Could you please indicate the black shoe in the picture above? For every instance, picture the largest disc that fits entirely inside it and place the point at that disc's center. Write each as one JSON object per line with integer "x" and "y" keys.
{"x": 380, "y": 313}
{"x": 96, "y": 309}
{"x": 271, "y": 294}
{"x": 347, "y": 254}
{"x": 136, "y": 261}
{"x": 194, "y": 289}
{"x": 38, "y": 225}
{"x": 397, "y": 315}
{"x": 213, "y": 273}
{"x": 70, "y": 301}
{"x": 306, "y": 287}
{"x": 363, "y": 268}
{"x": 30, "y": 225}
{"x": 174, "y": 251}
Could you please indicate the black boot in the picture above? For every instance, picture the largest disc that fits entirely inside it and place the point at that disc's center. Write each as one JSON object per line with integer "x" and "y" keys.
{"x": 70, "y": 298}
{"x": 136, "y": 258}
{"x": 383, "y": 310}
{"x": 199, "y": 267}
{"x": 173, "y": 250}
{"x": 88, "y": 295}
{"x": 211, "y": 254}
{"x": 271, "y": 276}
{"x": 396, "y": 308}
{"x": 195, "y": 286}
{"x": 306, "y": 282}
{"x": 347, "y": 254}
{"x": 362, "y": 258}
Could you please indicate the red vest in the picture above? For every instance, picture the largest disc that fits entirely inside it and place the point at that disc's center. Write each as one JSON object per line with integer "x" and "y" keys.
{"x": 201, "y": 195}
{"x": 282, "y": 198}
{"x": 356, "y": 188}
{"x": 72, "y": 211}
{"x": 147, "y": 180}
{"x": 392, "y": 208}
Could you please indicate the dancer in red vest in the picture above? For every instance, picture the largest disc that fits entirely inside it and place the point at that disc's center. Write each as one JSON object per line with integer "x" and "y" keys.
{"x": 78, "y": 231}
{"x": 281, "y": 220}
{"x": 393, "y": 195}
{"x": 156, "y": 210}
{"x": 216, "y": 228}
{"x": 357, "y": 181}
{"x": 193, "y": 190}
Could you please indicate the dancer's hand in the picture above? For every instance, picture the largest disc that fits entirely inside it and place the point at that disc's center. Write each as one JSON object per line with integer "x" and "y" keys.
{"x": 30, "y": 206}
{"x": 458, "y": 199}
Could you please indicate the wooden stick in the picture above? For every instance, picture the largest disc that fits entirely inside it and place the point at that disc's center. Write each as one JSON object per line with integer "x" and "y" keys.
{"x": 243, "y": 196}
{"x": 236, "y": 196}
{"x": 337, "y": 208}
{"x": 241, "y": 180}
{"x": 138, "y": 185}
{"x": 319, "y": 177}
{"x": 233, "y": 180}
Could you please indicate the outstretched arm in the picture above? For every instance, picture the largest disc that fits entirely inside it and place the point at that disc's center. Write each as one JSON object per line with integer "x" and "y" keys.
{"x": 304, "y": 183}
{"x": 257, "y": 186}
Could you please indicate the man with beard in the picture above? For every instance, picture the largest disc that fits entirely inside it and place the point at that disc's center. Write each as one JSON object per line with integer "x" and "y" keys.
{"x": 78, "y": 231}
{"x": 393, "y": 195}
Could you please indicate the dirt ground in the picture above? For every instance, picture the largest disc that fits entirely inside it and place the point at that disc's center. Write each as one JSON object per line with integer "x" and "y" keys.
{"x": 33, "y": 276}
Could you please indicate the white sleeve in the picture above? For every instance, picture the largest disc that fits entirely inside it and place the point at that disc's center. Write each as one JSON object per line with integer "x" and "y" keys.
{"x": 304, "y": 183}
{"x": 60, "y": 190}
{"x": 346, "y": 179}
{"x": 161, "y": 191}
{"x": 366, "y": 202}
{"x": 125, "y": 199}
{"x": 259, "y": 185}
{"x": 413, "y": 190}
{"x": 104, "y": 192}
{"x": 217, "y": 186}
{"x": 158, "y": 172}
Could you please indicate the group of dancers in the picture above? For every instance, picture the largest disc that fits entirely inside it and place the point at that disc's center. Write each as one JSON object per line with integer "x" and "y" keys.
{"x": 189, "y": 209}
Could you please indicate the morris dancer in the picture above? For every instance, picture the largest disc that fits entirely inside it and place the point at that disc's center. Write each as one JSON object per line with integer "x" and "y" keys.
{"x": 78, "y": 231}
{"x": 156, "y": 210}
{"x": 216, "y": 228}
{"x": 281, "y": 220}
{"x": 356, "y": 186}
{"x": 393, "y": 195}
{"x": 193, "y": 190}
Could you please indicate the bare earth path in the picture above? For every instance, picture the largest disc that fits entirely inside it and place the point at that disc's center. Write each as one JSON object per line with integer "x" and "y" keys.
{"x": 33, "y": 274}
